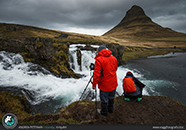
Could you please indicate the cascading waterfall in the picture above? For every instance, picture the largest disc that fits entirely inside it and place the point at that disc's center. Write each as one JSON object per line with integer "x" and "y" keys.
{"x": 44, "y": 89}
{"x": 87, "y": 57}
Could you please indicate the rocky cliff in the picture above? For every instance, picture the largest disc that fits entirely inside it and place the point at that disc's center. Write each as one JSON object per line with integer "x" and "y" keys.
{"x": 43, "y": 51}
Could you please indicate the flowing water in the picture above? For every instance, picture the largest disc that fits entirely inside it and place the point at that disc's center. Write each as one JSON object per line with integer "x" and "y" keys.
{"x": 163, "y": 74}
{"x": 48, "y": 94}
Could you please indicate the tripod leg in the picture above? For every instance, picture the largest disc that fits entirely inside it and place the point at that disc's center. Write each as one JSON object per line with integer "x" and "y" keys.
{"x": 96, "y": 101}
{"x": 84, "y": 90}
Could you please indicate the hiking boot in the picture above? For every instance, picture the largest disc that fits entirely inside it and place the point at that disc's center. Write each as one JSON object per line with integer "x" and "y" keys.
{"x": 99, "y": 111}
{"x": 104, "y": 109}
{"x": 110, "y": 111}
{"x": 127, "y": 99}
{"x": 139, "y": 99}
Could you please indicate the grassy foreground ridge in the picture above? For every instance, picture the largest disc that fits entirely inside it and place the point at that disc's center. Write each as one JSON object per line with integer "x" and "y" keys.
{"x": 152, "y": 110}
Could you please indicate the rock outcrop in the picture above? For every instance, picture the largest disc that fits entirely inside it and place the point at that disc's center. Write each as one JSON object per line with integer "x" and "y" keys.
{"x": 117, "y": 51}
{"x": 88, "y": 48}
{"x": 79, "y": 58}
{"x": 43, "y": 48}
{"x": 43, "y": 51}
{"x": 37, "y": 48}
{"x": 12, "y": 28}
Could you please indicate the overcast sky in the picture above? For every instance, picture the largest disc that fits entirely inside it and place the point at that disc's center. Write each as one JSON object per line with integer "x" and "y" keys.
{"x": 93, "y": 17}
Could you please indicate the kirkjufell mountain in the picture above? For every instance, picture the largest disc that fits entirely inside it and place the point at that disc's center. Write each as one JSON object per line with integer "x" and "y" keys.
{"x": 137, "y": 24}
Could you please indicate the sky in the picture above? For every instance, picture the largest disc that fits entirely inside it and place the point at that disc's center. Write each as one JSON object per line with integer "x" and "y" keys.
{"x": 92, "y": 17}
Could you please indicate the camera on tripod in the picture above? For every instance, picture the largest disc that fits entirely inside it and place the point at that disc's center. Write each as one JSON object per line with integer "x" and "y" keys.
{"x": 91, "y": 66}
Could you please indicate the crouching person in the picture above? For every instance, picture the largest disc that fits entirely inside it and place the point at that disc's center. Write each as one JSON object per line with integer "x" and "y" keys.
{"x": 132, "y": 87}
{"x": 105, "y": 76}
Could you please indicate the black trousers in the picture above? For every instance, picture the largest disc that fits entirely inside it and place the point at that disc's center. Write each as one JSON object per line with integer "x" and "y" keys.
{"x": 132, "y": 95}
{"x": 107, "y": 101}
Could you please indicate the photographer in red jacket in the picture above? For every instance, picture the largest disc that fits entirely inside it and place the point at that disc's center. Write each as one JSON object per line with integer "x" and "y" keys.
{"x": 105, "y": 76}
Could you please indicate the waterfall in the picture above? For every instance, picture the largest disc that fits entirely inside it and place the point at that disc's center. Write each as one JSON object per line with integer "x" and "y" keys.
{"x": 87, "y": 57}
{"x": 43, "y": 89}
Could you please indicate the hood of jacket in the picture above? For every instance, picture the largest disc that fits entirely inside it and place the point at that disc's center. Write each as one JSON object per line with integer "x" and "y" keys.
{"x": 104, "y": 52}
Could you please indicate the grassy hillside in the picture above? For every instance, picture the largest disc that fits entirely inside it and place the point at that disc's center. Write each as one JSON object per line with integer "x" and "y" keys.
{"x": 16, "y": 31}
{"x": 134, "y": 47}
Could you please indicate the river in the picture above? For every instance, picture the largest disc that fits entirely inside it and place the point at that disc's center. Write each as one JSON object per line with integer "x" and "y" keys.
{"x": 163, "y": 74}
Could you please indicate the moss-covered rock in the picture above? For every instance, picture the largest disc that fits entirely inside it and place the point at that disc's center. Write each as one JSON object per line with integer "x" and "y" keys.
{"x": 79, "y": 56}
{"x": 49, "y": 53}
{"x": 117, "y": 51}
{"x": 16, "y": 104}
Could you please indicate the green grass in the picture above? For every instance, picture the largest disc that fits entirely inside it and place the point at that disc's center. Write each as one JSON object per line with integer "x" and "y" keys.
{"x": 135, "y": 53}
{"x": 13, "y": 104}
{"x": 171, "y": 39}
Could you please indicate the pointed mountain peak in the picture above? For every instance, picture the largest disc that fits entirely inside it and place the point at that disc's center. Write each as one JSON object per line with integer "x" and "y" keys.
{"x": 136, "y": 24}
{"x": 135, "y": 9}
{"x": 135, "y": 15}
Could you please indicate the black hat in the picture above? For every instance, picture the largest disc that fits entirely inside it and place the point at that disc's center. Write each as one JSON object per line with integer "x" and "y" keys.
{"x": 100, "y": 48}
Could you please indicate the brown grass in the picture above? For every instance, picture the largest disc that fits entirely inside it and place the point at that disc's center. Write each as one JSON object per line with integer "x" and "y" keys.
{"x": 148, "y": 46}
{"x": 154, "y": 110}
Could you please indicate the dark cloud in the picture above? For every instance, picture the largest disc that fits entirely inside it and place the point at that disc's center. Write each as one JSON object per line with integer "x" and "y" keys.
{"x": 85, "y": 15}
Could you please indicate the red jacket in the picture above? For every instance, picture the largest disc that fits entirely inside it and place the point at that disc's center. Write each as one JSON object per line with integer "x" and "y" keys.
{"x": 105, "y": 71}
{"x": 128, "y": 85}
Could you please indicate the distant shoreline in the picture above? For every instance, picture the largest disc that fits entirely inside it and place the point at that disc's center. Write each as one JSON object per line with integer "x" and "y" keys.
{"x": 131, "y": 53}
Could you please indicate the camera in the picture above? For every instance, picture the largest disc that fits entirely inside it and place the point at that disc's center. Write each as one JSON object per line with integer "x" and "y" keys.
{"x": 91, "y": 66}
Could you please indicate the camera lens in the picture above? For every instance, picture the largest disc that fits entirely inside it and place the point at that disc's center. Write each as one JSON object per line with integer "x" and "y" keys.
{"x": 91, "y": 66}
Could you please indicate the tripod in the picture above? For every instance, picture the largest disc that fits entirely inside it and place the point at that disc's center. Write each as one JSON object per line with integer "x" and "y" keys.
{"x": 84, "y": 92}
{"x": 85, "y": 88}
{"x": 91, "y": 68}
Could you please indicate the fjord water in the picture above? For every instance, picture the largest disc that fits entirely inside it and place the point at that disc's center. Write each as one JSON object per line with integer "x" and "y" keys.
{"x": 163, "y": 74}
{"x": 48, "y": 94}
